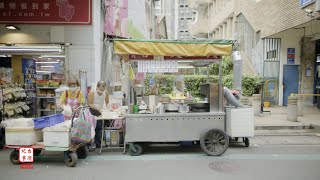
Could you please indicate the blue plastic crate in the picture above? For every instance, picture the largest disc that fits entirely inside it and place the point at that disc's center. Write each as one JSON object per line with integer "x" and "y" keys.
{"x": 47, "y": 121}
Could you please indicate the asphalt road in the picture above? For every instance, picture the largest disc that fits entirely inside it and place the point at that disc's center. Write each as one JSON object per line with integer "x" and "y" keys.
{"x": 268, "y": 157}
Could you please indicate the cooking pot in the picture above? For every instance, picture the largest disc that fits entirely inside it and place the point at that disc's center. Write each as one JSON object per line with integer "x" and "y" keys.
{"x": 171, "y": 107}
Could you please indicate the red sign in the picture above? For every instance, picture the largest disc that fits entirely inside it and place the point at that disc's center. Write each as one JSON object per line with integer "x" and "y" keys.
{"x": 46, "y": 11}
{"x": 192, "y": 57}
{"x": 150, "y": 57}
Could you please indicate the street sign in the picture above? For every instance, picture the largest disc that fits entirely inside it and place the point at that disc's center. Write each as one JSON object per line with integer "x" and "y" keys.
{"x": 291, "y": 55}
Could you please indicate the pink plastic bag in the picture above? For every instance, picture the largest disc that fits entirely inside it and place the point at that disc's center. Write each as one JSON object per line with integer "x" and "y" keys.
{"x": 92, "y": 120}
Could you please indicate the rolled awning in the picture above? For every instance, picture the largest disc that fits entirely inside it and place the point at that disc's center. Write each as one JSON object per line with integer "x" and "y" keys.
{"x": 173, "y": 47}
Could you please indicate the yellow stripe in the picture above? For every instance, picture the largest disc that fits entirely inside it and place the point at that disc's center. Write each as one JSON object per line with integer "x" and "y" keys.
{"x": 305, "y": 94}
{"x": 171, "y": 49}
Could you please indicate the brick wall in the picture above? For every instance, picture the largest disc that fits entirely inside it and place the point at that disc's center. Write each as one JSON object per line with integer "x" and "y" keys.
{"x": 272, "y": 16}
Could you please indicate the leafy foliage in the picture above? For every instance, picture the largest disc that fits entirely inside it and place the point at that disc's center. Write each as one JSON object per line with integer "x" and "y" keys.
{"x": 227, "y": 67}
{"x": 251, "y": 85}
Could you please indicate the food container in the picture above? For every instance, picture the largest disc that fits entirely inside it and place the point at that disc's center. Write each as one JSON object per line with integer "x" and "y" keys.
{"x": 143, "y": 107}
{"x": 171, "y": 107}
{"x": 184, "y": 109}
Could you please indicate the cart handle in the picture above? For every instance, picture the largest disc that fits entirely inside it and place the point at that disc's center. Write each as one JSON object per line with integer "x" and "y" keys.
{"x": 75, "y": 112}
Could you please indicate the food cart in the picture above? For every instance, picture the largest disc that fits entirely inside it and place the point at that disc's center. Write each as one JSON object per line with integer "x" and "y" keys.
{"x": 205, "y": 123}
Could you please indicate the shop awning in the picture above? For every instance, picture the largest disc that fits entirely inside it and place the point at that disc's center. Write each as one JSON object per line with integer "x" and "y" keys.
{"x": 173, "y": 47}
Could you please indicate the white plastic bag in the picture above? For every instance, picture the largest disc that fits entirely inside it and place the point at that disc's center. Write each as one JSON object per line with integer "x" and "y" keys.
{"x": 67, "y": 111}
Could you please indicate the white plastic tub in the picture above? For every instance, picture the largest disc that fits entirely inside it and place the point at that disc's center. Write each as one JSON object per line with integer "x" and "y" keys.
{"x": 57, "y": 136}
{"x": 240, "y": 122}
{"x": 23, "y": 135}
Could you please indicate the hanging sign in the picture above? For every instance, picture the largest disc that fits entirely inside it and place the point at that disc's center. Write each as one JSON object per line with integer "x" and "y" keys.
{"x": 46, "y": 11}
{"x": 150, "y": 57}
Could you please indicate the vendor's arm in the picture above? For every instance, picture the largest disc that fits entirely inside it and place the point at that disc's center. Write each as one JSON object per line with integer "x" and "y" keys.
{"x": 81, "y": 98}
{"x": 107, "y": 99}
{"x": 62, "y": 99}
{"x": 90, "y": 101}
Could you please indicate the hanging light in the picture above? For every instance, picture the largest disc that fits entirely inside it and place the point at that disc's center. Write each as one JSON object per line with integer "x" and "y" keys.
{"x": 12, "y": 27}
{"x": 30, "y": 49}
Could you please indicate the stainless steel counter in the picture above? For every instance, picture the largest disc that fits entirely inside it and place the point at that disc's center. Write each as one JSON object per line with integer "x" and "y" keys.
{"x": 176, "y": 114}
{"x": 171, "y": 127}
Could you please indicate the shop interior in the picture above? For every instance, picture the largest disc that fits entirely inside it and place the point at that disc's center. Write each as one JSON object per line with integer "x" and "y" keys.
{"x": 30, "y": 77}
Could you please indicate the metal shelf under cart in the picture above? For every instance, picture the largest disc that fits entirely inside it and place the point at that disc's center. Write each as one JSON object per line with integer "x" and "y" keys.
{"x": 109, "y": 124}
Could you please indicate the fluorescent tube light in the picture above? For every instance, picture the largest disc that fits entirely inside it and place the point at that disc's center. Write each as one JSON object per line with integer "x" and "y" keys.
{"x": 49, "y": 62}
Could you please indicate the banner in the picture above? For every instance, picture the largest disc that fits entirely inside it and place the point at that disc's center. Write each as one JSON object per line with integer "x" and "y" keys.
{"x": 46, "y": 11}
{"x": 116, "y": 17}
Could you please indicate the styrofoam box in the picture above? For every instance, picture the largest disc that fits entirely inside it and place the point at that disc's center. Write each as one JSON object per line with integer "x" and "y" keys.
{"x": 23, "y": 135}
{"x": 240, "y": 122}
{"x": 56, "y": 138}
{"x": 21, "y": 122}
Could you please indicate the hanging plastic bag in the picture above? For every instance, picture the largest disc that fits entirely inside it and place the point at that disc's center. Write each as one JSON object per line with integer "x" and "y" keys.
{"x": 117, "y": 123}
{"x": 92, "y": 120}
{"x": 81, "y": 130}
{"x": 131, "y": 73}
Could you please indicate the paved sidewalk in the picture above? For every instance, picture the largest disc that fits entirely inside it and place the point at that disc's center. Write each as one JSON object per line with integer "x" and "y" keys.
{"x": 277, "y": 119}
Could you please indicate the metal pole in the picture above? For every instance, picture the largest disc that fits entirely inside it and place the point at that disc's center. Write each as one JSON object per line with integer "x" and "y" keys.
{"x": 129, "y": 91}
{"x": 208, "y": 74}
{"x": 220, "y": 86}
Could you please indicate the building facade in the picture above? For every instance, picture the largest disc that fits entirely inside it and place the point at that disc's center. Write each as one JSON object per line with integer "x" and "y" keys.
{"x": 278, "y": 41}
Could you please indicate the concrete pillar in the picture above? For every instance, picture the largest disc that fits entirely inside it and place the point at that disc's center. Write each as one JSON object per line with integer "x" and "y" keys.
{"x": 292, "y": 108}
{"x": 256, "y": 104}
{"x": 300, "y": 106}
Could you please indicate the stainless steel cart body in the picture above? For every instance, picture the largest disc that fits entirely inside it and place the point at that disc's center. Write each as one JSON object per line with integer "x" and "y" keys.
{"x": 171, "y": 127}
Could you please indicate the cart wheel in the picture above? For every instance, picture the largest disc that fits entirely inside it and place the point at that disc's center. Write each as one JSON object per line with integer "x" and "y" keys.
{"x": 247, "y": 142}
{"x": 37, "y": 152}
{"x": 214, "y": 142}
{"x": 236, "y": 139}
{"x": 71, "y": 159}
{"x": 138, "y": 151}
{"x": 14, "y": 157}
{"x": 82, "y": 152}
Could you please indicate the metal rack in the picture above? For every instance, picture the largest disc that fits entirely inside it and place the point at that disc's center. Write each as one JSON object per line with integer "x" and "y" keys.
{"x": 109, "y": 124}
{"x": 40, "y": 100}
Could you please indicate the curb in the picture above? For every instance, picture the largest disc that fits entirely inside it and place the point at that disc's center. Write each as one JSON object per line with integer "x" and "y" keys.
{"x": 286, "y": 134}
{"x": 285, "y": 127}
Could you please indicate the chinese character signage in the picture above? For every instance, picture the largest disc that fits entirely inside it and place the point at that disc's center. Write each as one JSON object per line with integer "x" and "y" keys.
{"x": 26, "y": 155}
{"x": 304, "y": 3}
{"x": 46, "y": 11}
{"x": 291, "y": 55}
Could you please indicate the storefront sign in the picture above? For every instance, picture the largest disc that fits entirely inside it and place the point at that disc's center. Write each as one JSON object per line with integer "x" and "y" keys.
{"x": 291, "y": 55}
{"x": 304, "y": 3}
{"x": 46, "y": 11}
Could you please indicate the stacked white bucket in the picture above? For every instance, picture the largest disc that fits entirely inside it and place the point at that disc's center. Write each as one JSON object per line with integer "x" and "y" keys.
{"x": 21, "y": 132}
